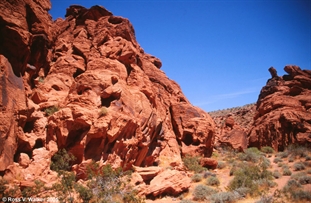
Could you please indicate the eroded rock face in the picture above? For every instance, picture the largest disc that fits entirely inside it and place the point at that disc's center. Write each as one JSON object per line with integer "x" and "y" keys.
{"x": 283, "y": 111}
{"x": 116, "y": 105}
{"x": 113, "y": 103}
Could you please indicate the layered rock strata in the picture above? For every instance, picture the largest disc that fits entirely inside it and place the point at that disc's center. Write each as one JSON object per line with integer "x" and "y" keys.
{"x": 283, "y": 110}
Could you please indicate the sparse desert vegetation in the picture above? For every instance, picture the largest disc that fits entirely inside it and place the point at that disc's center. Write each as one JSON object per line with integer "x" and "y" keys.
{"x": 254, "y": 176}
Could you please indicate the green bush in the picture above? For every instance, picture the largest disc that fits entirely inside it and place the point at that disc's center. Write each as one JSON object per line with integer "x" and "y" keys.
{"x": 3, "y": 187}
{"x": 291, "y": 185}
{"x": 85, "y": 193}
{"x": 265, "y": 199}
{"x": 291, "y": 159}
{"x": 301, "y": 195}
{"x": 224, "y": 197}
{"x": 277, "y": 160}
{"x": 283, "y": 154}
{"x": 30, "y": 191}
{"x": 298, "y": 150}
{"x": 299, "y": 166}
{"x": 62, "y": 161}
{"x": 303, "y": 180}
{"x": 276, "y": 174}
{"x": 103, "y": 111}
{"x": 196, "y": 178}
{"x": 247, "y": 175}
{"x": 202, "y": 192}
{"x": 212, "y": 181}
{"x": 193, "y": 164}
{"x": 51, "y": 110}
{"x": 221, "y": 165}
{"x": 243, "y": 191}
{"x": 267, "y": 150}
{"x": 286, "y": 172}
{"x": 251, "y": 154}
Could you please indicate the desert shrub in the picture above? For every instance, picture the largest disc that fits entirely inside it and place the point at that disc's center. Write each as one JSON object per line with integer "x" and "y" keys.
{"x": 85, "y": 193}
{"x": 224, "y": 197}
{"x": 251, "y": 154}
{"x": 193, "y": 164}
{"x": 212, "y": 181}
{"x": 264, "y": 162}
{"x": 301, "y": 195}
{"x": 280, "y": 164}
{"x": 108, "y": 185}
{"x": 291, "y": 185}
{"x": 103, "y": 111}
{"x": 265, "y": 199}
{"x": 221, "y": 164}
{"x": 283, "y": 154}
{"x": 286, "y": 172}
{"x": 201, "y": 192}
{"x": 276, "y": 174}
{"x": 62, "y": 161}
{"x": 309, "y": 171}
{"x": 267, "y": 150}
{"x": 3, "y": 187}
{"x": 277, "y": 160}
{"x": 297, "y": 175}
{"x": 65, "y": 188}
{"x": 308, "y": 158}
{"x": 299, "y": 166}
{"x": 298, "y": 150}
{"x": 291, "y": 159}
{"x": 303, "y": 180}
{"x": 30, "y": 191}
{"x": 208, "y": 174}
{"x": 51, "y": 110}
{"x": 186, "y": 201}
{"x": 247, "y": 175}
{"x": 41, "y": 79}
{"x": 196, "y": 178}
{"x": 243, "y": 191}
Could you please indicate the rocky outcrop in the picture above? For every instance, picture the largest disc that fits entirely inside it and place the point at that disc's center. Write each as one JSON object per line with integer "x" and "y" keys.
{"x": 115, "y": 104}
{"x": 233, "y": 125}
{"x": 283, "y": 110}
{"x": 24, "y": 46}
{"x": 84, "y": 84}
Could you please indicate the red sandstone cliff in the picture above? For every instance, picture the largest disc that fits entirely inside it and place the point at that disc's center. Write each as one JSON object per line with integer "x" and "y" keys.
{"x": 113, "y": 103}
{"x": 283, "y": 110}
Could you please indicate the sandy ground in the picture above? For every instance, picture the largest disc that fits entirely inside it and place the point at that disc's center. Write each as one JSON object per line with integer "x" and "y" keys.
{"x": 224, "y": 178}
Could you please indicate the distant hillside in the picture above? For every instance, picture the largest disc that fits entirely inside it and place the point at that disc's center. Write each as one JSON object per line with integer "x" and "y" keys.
{"x": 243, "y": 115}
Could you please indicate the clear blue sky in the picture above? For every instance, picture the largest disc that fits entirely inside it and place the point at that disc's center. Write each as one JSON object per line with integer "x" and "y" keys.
{"x": 219, "y": 52}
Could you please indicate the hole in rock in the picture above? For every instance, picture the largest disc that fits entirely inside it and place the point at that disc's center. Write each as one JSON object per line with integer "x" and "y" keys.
{"x": 115, "y": 20}
{"x": 55, "y": 87}
{"x": 38, "y": 144}
{"x": 77, "y": 73}
{"x": 107, "y": 101}
{"x": 76, "y": 135}
{"x": 29, "y": 126}
{"x": 188, "y": 139}
{"x": 92, "y": 149}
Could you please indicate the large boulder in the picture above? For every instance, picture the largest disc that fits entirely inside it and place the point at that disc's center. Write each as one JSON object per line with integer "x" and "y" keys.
{"x": 283, "y": 111}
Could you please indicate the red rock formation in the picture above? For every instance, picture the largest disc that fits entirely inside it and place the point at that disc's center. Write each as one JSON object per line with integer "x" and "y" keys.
{"x": 113, "y": 103}
{"x": 233, "y": 125}
{"x": 283, "y": 111}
